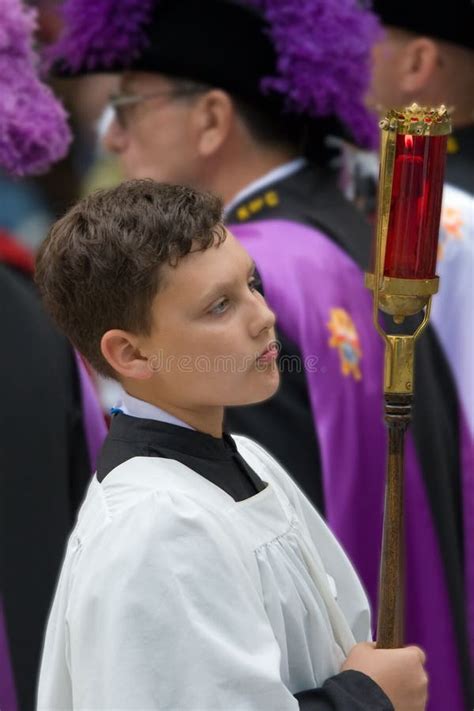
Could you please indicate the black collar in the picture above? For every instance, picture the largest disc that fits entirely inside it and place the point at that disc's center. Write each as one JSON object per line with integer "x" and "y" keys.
{"x": 215, "y": 459}
{"x": 157, "y": 435}
{"x": 310, "y": 196}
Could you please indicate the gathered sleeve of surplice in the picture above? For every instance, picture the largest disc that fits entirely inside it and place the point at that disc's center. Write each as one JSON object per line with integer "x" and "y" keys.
{"x": 163, "y": 614}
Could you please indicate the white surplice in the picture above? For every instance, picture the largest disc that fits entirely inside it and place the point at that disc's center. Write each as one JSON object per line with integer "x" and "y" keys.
{"x": 174, "y": 596}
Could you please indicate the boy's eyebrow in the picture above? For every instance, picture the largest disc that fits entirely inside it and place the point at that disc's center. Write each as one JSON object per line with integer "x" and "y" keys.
{"x": 222, "y": 287}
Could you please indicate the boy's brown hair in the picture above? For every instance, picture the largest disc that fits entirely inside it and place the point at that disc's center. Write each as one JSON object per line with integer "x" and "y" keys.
{"x": 99, "y": 267}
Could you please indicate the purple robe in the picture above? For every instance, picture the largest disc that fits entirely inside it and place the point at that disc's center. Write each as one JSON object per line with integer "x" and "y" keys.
{"x": 7, "y": 684}
{"x": 93, "y": 418}
{"x": 306, "y": 277}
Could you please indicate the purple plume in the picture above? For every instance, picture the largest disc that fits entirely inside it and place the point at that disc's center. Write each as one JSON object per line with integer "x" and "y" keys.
{"x": 101, "y": 32}
{"x": 324, "y": 56}
{"x": 33, "y": 125}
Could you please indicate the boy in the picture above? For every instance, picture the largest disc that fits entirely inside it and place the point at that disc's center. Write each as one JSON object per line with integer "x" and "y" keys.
{"x": 198, "y": 576}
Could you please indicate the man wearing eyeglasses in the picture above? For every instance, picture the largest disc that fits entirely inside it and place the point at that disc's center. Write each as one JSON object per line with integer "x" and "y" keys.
{"x": 150, "y": 128}
{"x": 236, "y": 99}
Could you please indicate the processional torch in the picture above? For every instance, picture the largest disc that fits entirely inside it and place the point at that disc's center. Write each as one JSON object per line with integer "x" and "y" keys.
{"x": 403, "y": 281}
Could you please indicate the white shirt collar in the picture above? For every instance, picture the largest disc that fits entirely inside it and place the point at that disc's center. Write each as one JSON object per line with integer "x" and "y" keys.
{"x": 134, "y": 407}
{"x": 283, "y": 171}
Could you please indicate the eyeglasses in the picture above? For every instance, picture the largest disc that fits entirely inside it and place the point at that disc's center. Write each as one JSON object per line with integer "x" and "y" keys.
{"x": 121, "y": 104}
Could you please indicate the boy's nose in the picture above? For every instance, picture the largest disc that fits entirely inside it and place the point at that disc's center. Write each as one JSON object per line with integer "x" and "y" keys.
{"x": 264, "y": 318}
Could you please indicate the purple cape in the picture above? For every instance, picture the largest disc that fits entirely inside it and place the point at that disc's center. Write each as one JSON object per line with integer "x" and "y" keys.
{"x": 93, "y": 417}
{"x": 7, "y": 684}
{"x": 310, "y": 281}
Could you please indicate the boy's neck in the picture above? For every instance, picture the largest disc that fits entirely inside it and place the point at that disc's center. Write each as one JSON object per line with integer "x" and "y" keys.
{"x": 207, "y": 419}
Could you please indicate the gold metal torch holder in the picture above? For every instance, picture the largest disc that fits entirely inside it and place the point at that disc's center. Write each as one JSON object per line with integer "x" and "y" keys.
{"x": 391, "y": 297}
{"x": 398, "y": 298}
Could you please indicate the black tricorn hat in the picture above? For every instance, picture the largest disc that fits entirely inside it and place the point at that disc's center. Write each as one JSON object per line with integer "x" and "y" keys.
{"x": 452, "y": 22}
{"x": 210, "y": 41}
{"x": 308, "y": 58}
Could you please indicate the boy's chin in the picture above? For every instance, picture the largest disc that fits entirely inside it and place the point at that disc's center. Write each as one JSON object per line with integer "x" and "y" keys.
{"x": 263, "y": 392}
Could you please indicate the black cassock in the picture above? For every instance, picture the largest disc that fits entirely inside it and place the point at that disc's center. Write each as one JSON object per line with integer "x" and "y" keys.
{"x": 44, "y": 469}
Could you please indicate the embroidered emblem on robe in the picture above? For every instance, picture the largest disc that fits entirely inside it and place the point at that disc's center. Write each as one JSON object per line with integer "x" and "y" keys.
{"x": 345, "y": 338}
{"x": 451, "y": 228}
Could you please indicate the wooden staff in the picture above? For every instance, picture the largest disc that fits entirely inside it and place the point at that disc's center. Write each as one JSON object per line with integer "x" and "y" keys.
{"x": 390, "y": 630}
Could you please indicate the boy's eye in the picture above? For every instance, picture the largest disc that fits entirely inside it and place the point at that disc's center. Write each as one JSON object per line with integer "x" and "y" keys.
{"x": 220, "y": 307}
{"x": 223, "y": 305}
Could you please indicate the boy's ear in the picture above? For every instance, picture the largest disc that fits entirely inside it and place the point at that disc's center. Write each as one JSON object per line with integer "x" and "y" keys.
{"x": 121, "y": 352}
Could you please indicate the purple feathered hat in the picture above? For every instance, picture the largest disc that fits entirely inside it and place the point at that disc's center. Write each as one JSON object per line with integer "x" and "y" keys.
{"x": 33, "y": 126}
{"x": 306, "y": 58}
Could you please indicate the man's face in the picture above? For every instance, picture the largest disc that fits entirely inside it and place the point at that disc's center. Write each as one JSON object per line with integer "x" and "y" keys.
{"x": 154, "y": 137}
{"x": 210, "y": 326}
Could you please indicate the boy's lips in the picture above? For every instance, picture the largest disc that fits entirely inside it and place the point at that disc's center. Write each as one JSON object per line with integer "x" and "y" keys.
{"x": 269, "y": 354}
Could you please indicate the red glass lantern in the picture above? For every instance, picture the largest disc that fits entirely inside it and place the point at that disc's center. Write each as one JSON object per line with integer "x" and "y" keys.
{"x": 413, "y": 160}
